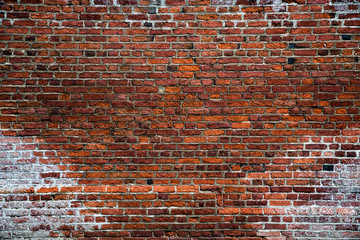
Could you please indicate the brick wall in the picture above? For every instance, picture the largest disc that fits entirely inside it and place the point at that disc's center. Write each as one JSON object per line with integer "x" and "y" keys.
{"x": 179, "y": 119}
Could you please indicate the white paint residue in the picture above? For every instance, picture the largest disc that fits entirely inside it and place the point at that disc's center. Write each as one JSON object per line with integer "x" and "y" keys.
{"x": 277, "y": 5}
{"x": 161, "y": 89}
{"x": 118, "y": 4}
{"x": 342, "y": 180}
{"x": 326, "y": 147}
{"x": 342, "y": 7}
{"x": 21, "y": 168}
{"x": 222, "y": 2}
{"x": 23, "y": 173}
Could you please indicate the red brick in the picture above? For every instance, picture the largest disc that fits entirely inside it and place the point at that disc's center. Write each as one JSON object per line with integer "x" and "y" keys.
{"x": 185, "y": 120}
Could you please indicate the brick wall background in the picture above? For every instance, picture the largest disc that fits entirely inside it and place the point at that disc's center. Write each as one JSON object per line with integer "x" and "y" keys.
{"x": 180, "y": 119}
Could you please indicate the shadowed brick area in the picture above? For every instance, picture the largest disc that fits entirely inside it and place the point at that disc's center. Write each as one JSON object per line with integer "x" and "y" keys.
{"x": 179, "y": 119}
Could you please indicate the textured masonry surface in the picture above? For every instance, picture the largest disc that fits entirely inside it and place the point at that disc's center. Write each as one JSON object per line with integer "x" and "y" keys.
{"x": 179, "y": 119}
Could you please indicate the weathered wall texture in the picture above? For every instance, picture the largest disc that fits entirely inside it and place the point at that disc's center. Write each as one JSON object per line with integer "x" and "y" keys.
{"x": 180, "y": 119}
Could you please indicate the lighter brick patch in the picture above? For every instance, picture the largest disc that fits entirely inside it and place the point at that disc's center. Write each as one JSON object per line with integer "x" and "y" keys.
{"x": 326, "y": 147}
{"x": 22, "y": 175}
{"x": 277, "y": 5}
{"x": 22, "y": 169}
{"x": 341, "y": 187}
{"x": 222, "y": 2}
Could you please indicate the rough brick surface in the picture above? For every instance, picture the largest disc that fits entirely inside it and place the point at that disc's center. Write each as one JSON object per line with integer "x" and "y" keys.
{"x": 179, "y": 119}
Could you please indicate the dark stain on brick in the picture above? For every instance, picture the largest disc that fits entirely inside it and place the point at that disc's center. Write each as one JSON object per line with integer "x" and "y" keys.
{"x": 328, "y": 168}
{"x": 152, "y": 10}
{"x": 89, "y": 54}
{"x": 291, "y": 60}
{"x": 31, "y": 53}
{"x": 332, "y": 15}
{"x": 148, "y": 24}
{"x": 30, "y": 38}
{"x": 346, "y": 37}
{"x": 171, "y": 68}
{"x": 292, "y": 45}
{"x": 323, "y": 52}
{"x": 6, "y": 52}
